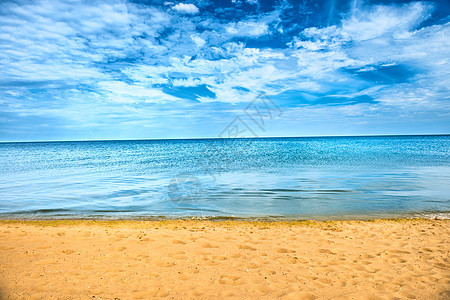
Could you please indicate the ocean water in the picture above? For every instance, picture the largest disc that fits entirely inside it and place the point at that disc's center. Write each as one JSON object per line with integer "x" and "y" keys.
{"x": 299, "y": 178}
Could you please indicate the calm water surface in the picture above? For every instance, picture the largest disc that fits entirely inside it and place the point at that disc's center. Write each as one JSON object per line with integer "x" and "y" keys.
{"x": 313, "y": 178}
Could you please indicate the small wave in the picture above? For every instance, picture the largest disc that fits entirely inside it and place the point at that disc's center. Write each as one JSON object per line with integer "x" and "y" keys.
{"x": 40, "y": 211}
{"x": 433, "y": 215}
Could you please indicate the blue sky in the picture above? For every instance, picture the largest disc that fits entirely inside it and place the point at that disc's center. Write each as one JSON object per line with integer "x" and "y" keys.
{"x": 76, "y": 70}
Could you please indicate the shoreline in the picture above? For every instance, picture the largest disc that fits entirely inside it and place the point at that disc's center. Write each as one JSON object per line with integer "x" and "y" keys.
{"x": 209, "y": 220}
{"x": 442, "y": 215}
{"x": 204, "y": 259}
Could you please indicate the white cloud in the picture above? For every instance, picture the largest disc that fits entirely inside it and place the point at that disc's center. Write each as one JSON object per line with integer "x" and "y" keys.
{"x": 199, "y": 42}
{"x": 254, "y": 2}
{"x": 119, "y": 91}
{"x": 51, "y": 42}
{"x": 374, "y": 38}
{"x": 185, "y": 8}
{"x": 382, "y": 20}
{"x": 248, "y": 28}
{"x": 313, "y": 64}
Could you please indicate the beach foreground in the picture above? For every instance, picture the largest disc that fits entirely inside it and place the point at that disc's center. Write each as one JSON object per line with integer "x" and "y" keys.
{"x": 381, "y": 259}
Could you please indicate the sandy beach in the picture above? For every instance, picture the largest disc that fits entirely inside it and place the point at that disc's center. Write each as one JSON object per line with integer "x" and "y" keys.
{"x": 381, "y": 259}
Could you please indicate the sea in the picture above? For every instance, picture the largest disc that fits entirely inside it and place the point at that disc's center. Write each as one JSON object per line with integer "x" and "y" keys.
{"x": 320, "y": 178}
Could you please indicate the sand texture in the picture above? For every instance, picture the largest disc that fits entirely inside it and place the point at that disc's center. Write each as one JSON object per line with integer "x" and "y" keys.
{"x": 383, "y": 259}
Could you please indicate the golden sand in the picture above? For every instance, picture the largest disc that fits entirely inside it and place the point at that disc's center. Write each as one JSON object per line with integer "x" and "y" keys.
{"x": 382, "y": 259}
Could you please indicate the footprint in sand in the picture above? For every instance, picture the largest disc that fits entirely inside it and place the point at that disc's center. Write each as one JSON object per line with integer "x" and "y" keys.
{"x": 208, "y": 245}
{"x": 230, "y": 280}
{"x": 299, "y": 295}
{"x": 122, "y": 236}
{"x": 220, "y": 257}
{"x": 146, "y": 240}
{"x": 399, "y": 251}
{"x": 237, "y": 255}
{"x": 178, "y": 242}
{"x": 245, "y": 247}
{"x": 185, "y": 277}
{"x": 284, "y": 250}
{"x": 326, "y": 251}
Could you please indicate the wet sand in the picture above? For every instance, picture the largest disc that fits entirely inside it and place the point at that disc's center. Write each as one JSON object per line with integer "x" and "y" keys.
{"x": 381, "y": 259}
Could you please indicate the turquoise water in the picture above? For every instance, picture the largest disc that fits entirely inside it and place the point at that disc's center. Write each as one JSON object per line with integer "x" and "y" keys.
{"x": 306, "y": 178}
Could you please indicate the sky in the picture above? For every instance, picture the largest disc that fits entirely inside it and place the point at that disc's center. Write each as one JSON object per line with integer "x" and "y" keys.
{"x": 88, "y": 70}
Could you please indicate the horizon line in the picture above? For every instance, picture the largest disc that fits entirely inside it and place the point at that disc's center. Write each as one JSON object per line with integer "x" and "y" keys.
{"x": 218, "y": 138}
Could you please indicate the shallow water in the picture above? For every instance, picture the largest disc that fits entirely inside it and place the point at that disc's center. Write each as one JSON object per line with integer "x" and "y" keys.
{"x": 312, "y": 178}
